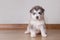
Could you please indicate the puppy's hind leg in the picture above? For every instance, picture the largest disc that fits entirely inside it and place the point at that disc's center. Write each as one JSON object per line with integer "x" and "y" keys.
{"x": 28, "y": 29}
{"x": 43, "y": 31}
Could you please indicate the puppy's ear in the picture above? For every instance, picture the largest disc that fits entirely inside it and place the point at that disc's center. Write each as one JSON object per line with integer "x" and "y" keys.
{"x": 42, "y": 10}
{"x": 31, "y": 10}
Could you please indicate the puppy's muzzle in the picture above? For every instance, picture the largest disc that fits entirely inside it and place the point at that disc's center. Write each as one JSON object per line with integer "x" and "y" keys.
{"x": 37, "y": 17}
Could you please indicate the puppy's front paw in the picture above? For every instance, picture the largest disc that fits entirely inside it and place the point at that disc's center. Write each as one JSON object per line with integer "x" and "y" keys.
{"x": 26, "y": 32}
{"x": 45, "y": 35}
{"x": 33, "y": 35}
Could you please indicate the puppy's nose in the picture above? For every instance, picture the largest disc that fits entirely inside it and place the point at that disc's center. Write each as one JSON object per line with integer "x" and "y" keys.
{"x": 37, "y": 17}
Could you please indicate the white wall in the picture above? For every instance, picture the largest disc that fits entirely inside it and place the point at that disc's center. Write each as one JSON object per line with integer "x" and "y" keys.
{"x": 17, "y": 11}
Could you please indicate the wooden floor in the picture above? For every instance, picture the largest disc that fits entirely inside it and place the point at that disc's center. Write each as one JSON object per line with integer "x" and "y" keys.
{"x": 19, "y": 35}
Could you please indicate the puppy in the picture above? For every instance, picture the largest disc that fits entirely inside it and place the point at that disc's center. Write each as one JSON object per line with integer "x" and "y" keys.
{"x": 36, "y": 23}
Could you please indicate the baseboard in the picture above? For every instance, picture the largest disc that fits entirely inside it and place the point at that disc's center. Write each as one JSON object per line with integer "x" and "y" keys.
{"x": 53, "y": 26}
{"x": 23, "y": 26}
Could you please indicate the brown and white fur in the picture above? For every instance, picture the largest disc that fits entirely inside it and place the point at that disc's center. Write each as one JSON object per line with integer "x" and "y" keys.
{"x": 36, "y": 23}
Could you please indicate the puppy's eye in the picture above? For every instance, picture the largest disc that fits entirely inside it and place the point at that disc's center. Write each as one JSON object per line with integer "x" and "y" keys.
{"x": 40, "y": 13}
{"x": 34, "y": 13}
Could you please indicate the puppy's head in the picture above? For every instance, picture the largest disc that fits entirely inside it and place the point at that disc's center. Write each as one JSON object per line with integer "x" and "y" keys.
{"x": 37, "y": 12}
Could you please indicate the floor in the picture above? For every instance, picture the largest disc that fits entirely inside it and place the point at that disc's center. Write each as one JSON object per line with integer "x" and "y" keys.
{"x": 19, "y": 35}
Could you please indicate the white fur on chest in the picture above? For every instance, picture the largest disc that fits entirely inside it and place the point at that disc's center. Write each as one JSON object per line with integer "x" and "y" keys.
{"x": 35, "y": 22}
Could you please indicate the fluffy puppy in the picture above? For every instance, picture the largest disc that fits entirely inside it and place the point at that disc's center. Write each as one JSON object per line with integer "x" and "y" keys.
{"x": 36, "y": 23}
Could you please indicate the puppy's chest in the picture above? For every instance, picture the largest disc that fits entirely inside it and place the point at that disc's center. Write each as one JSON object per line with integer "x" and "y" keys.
{"x": 36, "y": 23}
